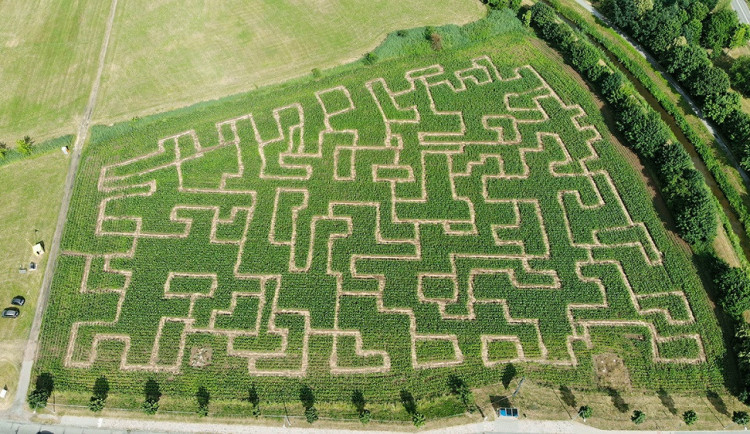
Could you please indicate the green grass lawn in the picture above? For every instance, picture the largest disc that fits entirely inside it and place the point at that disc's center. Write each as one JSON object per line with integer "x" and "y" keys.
{"x": 434, "y": 181}
{"x": 32, "y": 190}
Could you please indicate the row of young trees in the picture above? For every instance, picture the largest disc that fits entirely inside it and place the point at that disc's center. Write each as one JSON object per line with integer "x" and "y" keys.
{"x": 684, "y": 35}
{"x": 683, "y": 186}
{"x": 22, "y": 145}
{"x": 44, "y": 386}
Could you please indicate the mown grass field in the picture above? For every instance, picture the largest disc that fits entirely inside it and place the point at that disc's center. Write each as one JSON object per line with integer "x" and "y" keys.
{"x": 31, "y": 192}
{"x": 49, "y": 51}
{"x": 324, "y": 264}
{"x": 166, "y": 54}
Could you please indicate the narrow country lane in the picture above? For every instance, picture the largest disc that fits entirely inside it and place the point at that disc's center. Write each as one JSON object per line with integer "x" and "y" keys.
{"x": 19, "y": 410}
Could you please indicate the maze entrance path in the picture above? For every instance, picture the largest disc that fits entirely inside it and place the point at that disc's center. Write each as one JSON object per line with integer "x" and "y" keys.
{"x": 449, "y": 218}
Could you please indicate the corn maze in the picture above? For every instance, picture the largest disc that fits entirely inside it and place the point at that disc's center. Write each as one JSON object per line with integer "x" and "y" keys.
{"x": 448, "y": 219}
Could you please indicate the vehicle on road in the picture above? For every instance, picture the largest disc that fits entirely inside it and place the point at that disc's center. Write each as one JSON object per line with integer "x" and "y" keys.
{"x": 10, "y": 312}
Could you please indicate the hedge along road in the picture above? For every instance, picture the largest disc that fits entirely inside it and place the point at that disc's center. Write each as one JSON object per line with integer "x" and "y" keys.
{"x": 17, "y": 410}
{"x": 728, "y": 210}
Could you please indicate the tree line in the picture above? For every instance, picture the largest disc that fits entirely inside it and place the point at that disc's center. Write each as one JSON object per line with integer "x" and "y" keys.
{"x": 683, "y": 187}
{"x": 685, "y": 36}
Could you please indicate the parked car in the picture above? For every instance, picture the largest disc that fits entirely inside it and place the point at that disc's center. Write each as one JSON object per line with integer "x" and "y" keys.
{"x": 10, "y": 312}
{"x": 18, "y": 301}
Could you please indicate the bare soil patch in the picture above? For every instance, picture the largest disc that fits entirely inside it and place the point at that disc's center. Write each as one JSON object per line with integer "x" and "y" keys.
{"x": 200, "y": 357}
{"x": 611, "y": 371}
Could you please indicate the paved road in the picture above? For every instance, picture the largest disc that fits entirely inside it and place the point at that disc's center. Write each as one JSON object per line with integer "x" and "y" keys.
{"x": 742, "y": 10}
{"x": 657, "y": 67}
{"x": 19, "y": 404}
{"x": 91, "y": 425}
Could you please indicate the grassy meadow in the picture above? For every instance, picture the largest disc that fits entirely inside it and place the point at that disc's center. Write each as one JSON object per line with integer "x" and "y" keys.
{"x": 32, "y": 190}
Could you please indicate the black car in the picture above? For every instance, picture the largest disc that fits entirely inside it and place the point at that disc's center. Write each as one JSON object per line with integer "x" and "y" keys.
{"x": 18, "y": 301}
{"x": 10, "y": 312}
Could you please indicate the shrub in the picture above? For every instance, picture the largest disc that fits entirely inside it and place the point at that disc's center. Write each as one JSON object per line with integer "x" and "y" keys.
{"x": 436, "y": 41}
{"x": 740, "y": 418}
{"x": 38, "y": 399}
{"x": 638, "y": 417}
{"x": 311, "y": 414}
{"x": 3, "y": 150}
{"x": 689, "y": 417}
{"x": 497, "y": 4}
{"x": 24, "y": 145}
{"x": 428, "y": 31}
{"x": 150, "y": 407}
{"x": 96, "y": 404}
{"x": 526, "y": 18}
{"x": 719, "y": 106}
{"x": 585, "y": 412}
{"x": 739, "y": 75}
{"x": 364, "y": 416}
{"x": 583, "y": 55}
{"x": 370, "y": 58}
{"x": 418, "y": 419}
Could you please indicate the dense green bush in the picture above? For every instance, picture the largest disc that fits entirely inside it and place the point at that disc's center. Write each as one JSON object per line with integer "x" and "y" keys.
{"x": 719, "y": 28}
{"x": 719, "y": 106}
{"x": 734, "y": 289}
{"x": 740, "y": 418}
{"x": 710, "y": 81}
{"x": 690, "y": 417}
{"x": 645, "y": 130}
{"x": 739, "y": 75}
{"x": 686, "y": 60}
{"x": 638, "y": 417}
{"x": 583, "y": 55}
